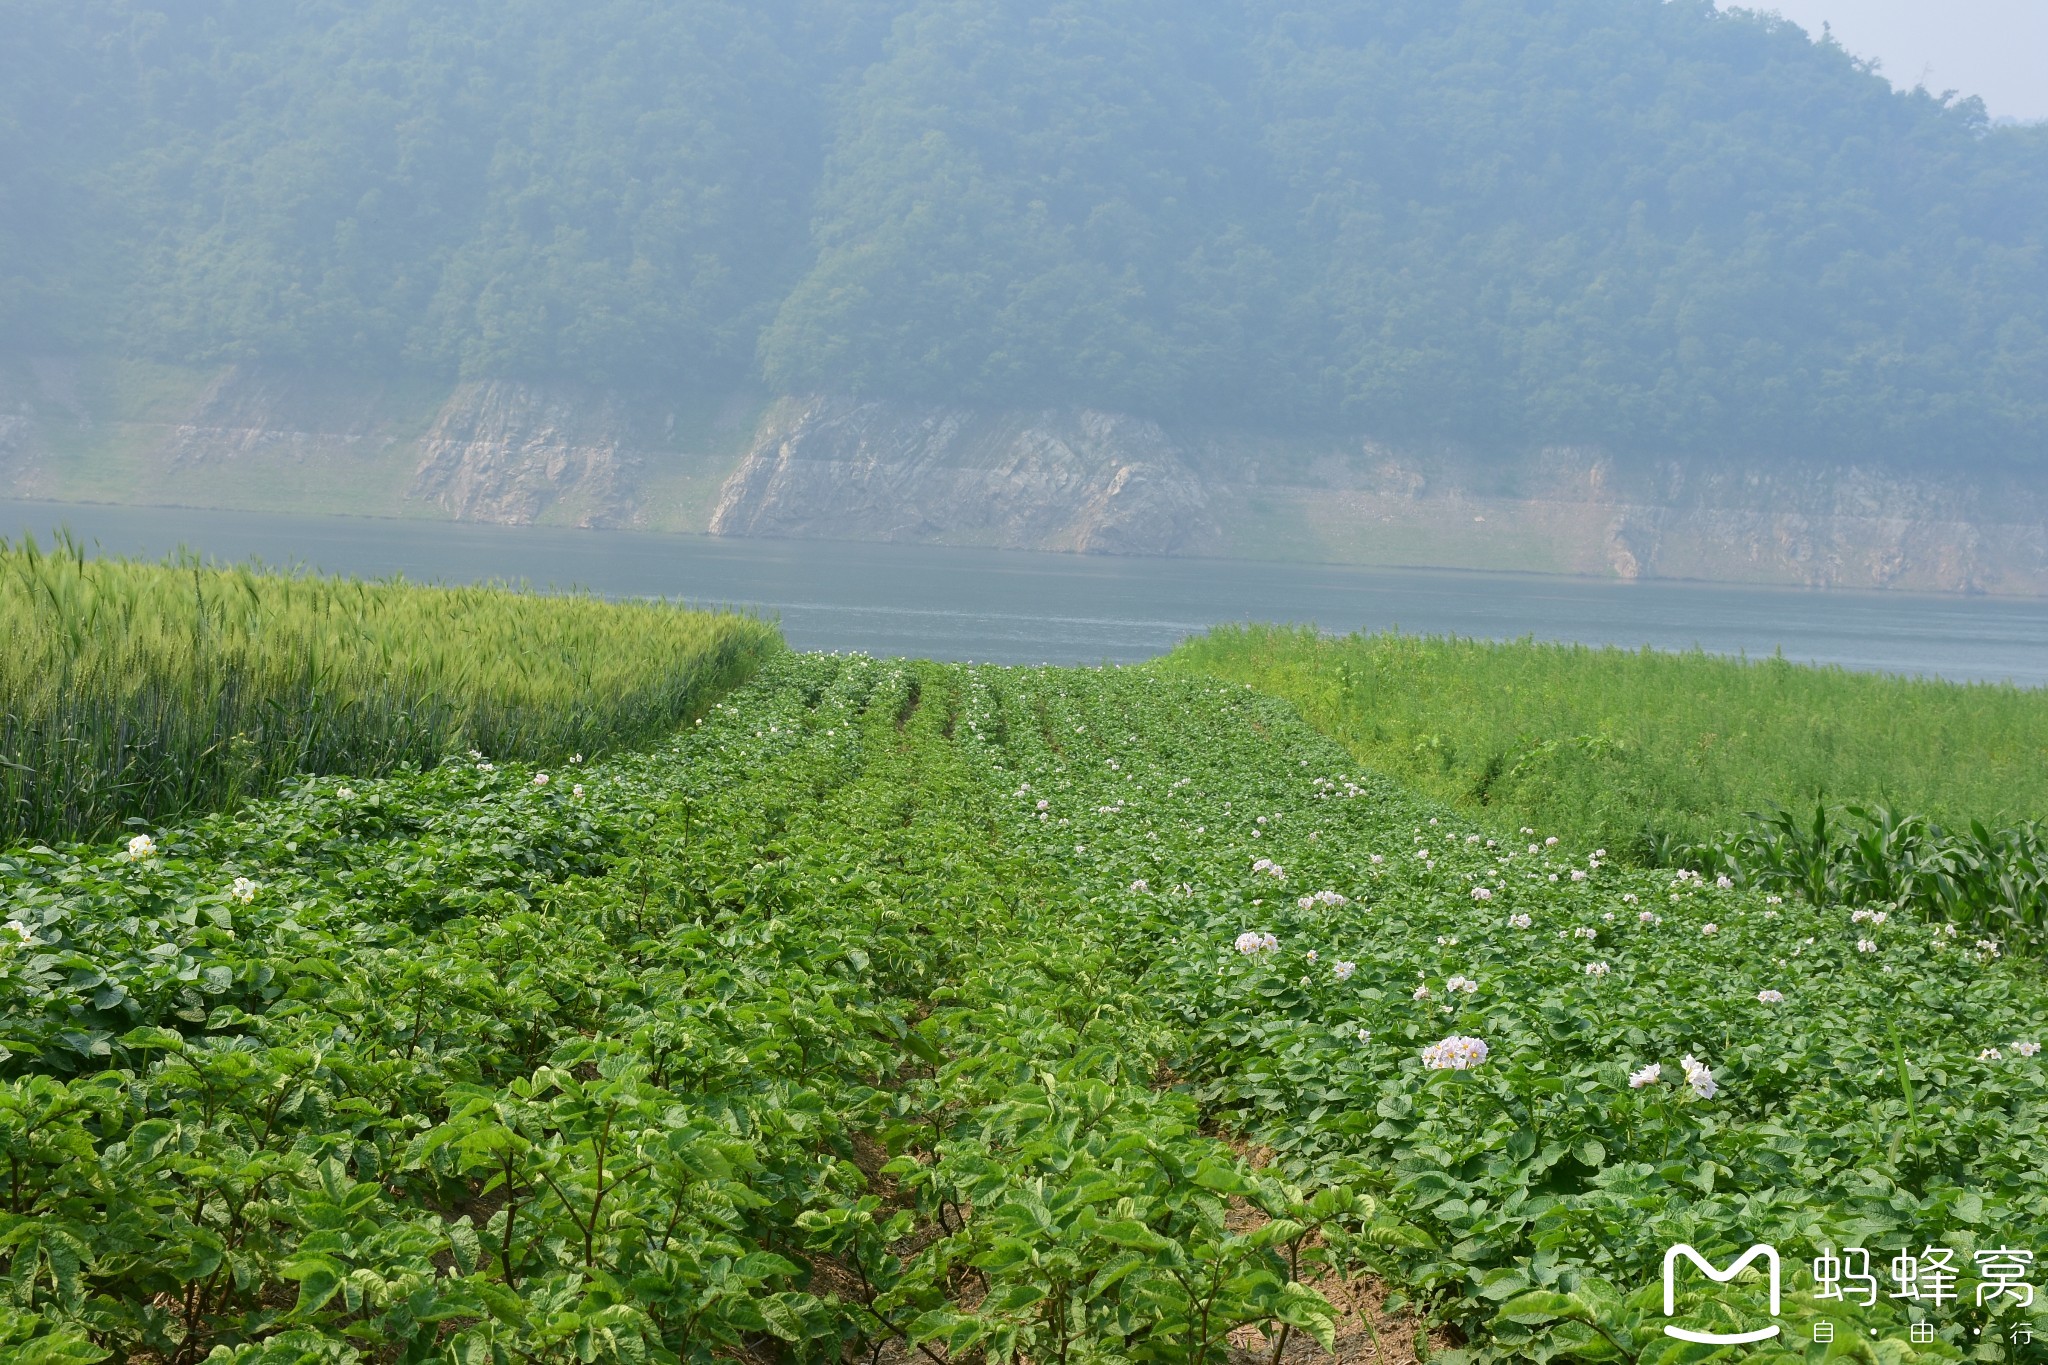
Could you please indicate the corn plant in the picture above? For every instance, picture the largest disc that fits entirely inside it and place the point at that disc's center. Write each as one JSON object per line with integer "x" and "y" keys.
{"x": 1993, "y": 883}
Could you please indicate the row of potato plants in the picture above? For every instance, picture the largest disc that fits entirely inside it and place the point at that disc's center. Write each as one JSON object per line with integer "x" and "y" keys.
{"x": 770, "y": 1042}
{"x": 933, "y": 1009}
{"x": 1548, "y": 1067}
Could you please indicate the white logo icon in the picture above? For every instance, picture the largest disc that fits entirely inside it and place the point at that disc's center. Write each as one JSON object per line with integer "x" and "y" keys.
{"x": 1740, "y": 1264}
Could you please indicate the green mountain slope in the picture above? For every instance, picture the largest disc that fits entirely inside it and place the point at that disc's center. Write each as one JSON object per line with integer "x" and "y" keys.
{"x": 1653, "y": 226}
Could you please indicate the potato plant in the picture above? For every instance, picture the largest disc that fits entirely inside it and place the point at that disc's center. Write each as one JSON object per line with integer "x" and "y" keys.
{"x": 906, "y": 1010}
{"x": 761, "y": 1044}
{"x": 1624, "y": 1059}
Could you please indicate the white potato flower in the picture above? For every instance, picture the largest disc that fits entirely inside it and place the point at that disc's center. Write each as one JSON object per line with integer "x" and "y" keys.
{"x": 1455, "y": 1053}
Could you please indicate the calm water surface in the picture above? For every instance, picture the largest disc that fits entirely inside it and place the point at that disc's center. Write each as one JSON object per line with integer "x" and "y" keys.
{"x": 1012, "y": 606}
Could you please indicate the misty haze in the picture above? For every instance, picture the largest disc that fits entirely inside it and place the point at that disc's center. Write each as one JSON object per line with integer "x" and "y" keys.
{"x": 996, "y": 682}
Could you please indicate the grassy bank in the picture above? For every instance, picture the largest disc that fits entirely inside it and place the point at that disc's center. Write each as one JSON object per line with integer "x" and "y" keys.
{"x": 1617, "y": 748}
{"x": 150, "y": 690}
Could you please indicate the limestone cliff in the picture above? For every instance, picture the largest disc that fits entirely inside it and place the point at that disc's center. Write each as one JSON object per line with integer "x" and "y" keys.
{"x": 1579, "y": 511}
{"x": 1053, "y": 479}
{"x": 293, "y": 440}
{"x": 1827, "y": 526}
{"x": 248, "y": 414}
{"x": 507, "y": 452}
{"x": 1091, "y": 482}
{"x": 1099, "y": 482}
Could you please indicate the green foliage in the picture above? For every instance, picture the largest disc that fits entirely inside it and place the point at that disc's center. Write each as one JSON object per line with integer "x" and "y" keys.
{"x": 1660, "y": 226}
{"x": 903, "y": 1008}
{"x": 132, "y": 690}
{"x": 64, "y": 229}
{"x": 1039, "y": 202}
{"x": 613, "y": 192}
{"x": 1647, "y": 753}
{"x": 1528, "y": 1200}
{"x": 1994, "y": 883}
{"x": 759, "y": 1037}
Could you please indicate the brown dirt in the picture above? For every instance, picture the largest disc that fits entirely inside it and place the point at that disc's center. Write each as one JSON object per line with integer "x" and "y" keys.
{"x": 1365, "y": 1330}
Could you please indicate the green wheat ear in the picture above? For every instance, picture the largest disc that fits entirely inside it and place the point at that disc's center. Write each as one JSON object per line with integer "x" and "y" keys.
{"x": 140, "y": 690}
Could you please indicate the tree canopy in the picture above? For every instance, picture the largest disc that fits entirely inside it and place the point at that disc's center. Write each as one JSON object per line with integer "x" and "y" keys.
{"x": 1647, "y": 224}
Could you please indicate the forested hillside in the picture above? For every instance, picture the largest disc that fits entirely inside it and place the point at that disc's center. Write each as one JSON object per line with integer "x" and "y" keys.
{"x": 1646, "y": 225}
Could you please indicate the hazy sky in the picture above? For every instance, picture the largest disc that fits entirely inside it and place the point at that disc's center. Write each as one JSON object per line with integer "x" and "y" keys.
{"x": 1994, "y": 48}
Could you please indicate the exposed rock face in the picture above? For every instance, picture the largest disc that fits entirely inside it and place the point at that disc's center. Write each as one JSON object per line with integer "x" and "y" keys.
{"x": 37, "y": 394}
{"x": 1062, "y": 479}
{"x": 1832, "y": 526}
{"x": 1575, "y": 510}
{"x": 1092, "y": 482}
{"x": 1101, "y": 482}
{"x": 253, "y": 413}
{"x": 504, "y": 451}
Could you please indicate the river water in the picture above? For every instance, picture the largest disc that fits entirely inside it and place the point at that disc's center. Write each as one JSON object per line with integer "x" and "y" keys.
{"x": 1013, "y": 606}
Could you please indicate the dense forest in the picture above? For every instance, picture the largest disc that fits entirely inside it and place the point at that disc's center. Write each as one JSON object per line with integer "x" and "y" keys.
{"x": 1651, "y": 225}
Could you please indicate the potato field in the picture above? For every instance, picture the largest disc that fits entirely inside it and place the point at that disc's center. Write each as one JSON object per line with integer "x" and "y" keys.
{"x": 910, "y": 1011}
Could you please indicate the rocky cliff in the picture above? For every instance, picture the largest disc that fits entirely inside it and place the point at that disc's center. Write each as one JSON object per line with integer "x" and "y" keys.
{"x": 1062, "y": 479}
{"x": 265, "y": 439}
{"x": 1834, "y": 526}
{"x": 1089, "y": 482}
{"x": 252, "y": 416}
{"x": 508, "y": 452}
{"x": 1579, "y": 511}
{"x": 1103, "y": 483}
